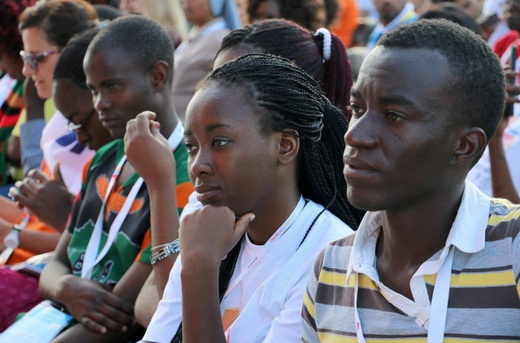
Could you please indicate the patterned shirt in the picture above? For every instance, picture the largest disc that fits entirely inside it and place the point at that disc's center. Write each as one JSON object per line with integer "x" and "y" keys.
{"x": 9, "y": 113}
{"x": 133, "y": 240}
{"x": 484, "y": 296}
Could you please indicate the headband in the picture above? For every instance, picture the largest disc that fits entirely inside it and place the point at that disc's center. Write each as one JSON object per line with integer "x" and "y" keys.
{"x": 327, "y": 43}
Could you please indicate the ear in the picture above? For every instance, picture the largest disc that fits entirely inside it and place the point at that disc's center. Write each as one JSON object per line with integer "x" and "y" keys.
{"x": 471, "y": 143}
{"x": 289, "y": 146}
{"x": 159, "y": 75}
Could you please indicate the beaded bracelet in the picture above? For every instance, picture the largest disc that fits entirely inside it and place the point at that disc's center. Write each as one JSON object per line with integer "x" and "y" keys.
{"x": 164, "y": 251}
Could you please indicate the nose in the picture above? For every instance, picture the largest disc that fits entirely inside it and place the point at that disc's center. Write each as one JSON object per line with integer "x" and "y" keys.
{"x": 361, "y": 131}
{"x": 101, "y": 102}
{"x": 27, "y": 71}
{"x": 200, "y": 163}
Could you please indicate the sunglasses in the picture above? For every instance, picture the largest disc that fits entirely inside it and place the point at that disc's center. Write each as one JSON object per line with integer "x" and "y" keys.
{"x": 32, "y": 59}
{"x": 71, "y": 126}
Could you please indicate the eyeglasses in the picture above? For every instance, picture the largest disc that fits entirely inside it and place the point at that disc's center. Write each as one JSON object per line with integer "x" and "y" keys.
{"x": 71, "y": 126}
{"x": 33, "y": 59}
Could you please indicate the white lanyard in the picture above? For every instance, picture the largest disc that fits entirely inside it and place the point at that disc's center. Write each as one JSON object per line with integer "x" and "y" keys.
{"x": 438, "y": 308}
{"x": 90, "y": 260}
{"x": 269, "y": 244}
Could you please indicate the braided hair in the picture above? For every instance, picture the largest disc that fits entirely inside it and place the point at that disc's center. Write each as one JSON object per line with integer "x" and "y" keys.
{"x": 298, "y": 44}
{"x": 288, "y": 98}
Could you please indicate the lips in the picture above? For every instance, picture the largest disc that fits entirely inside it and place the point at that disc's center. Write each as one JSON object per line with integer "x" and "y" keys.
{"x": 357, "y": 168}
{"x": 206, "y": 192}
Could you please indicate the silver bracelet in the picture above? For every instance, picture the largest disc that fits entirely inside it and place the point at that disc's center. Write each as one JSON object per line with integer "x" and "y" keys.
{"x": 164, "y": 251}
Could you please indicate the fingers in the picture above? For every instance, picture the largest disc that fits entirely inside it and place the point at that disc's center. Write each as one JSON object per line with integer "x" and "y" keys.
{"x": 57, "y": 175}
{"x": 242, "y": 223}
{"x": 101, "y": 324}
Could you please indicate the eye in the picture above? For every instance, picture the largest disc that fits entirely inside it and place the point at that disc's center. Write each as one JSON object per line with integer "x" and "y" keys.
{"x": 356, "y": 109}
{"x": 394, "y": 116}
{"x": 93, "y": 91}
{"x": 113, "y": 86}
{"x": 190, "y": 147}
{"x": 220, "y": 142}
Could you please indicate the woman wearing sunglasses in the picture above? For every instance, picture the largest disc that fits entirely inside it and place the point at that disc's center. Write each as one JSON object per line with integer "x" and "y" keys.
{"x": 46, "y": 28}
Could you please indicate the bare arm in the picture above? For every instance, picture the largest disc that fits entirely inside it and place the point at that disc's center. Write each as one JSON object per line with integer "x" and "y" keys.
{"x": 206, "y": 236}
{"x": 143, "y": 136}
{"x": 501, "y": 180}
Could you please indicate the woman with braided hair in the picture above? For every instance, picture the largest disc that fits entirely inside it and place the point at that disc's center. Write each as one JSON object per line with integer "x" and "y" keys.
{"x": 261, "y": 138}
{"x": 322, "y": 54}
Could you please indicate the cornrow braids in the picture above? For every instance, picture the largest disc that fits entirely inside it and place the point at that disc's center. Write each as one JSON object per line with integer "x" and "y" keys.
{"x": 299, "y": 45}
{"x": 288, "y": 98}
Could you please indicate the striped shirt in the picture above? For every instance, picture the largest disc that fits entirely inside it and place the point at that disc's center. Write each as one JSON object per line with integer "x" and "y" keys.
{"x": 484, "y": 298}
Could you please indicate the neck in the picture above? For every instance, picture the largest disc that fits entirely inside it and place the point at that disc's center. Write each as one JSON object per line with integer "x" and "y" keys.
{"x": 411, "y": 236}
{"x": 270, "y": 218}
{"x": 168, "y": 119}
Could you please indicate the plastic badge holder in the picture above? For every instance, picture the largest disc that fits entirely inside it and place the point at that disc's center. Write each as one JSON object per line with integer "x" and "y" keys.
{"x": 40, "y": 325}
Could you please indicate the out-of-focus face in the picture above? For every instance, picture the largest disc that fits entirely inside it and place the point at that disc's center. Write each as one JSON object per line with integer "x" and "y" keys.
{"x": 35, "y": 42}
{"x": 231, "y": 162}
{"x": 398, "y": 145}
{"x": 267, "y": 9}
{"x": 12, "y": 65}
{"x": 197, "y": 11}
{"x": 120, "y": 89}
{"x": 75, "y": 104}
{"x": 389, "y": 9}
{"x": 472, "y": 7}
{"x": 512, "y": 14}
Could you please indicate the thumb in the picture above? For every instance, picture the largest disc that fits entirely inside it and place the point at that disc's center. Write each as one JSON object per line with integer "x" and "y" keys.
{"x": 155, "y": 128}
{"x": 57, "y": 175}
{"x": 242, "y": 223}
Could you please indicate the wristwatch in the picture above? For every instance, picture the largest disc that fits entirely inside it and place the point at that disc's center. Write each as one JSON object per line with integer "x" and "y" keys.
{"x": 12, "y": 240}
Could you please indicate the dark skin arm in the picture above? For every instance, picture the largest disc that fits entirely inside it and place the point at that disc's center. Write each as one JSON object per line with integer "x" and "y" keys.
{"x": 206, "y": 236}
{"x": 143, "y": 136}
{"x": 99, "y": 308}
{"x": 501, "y": 180}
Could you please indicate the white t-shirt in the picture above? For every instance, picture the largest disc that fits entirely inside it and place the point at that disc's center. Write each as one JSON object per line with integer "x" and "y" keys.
{"x": 269, "y": 294}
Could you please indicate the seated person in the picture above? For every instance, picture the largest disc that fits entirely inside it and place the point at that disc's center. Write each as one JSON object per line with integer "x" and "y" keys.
{"x": 103, "y": 257}
{"x": 259, "y": 134}
{"x": 73, "y": 99}
{"x": 434, "y": 259}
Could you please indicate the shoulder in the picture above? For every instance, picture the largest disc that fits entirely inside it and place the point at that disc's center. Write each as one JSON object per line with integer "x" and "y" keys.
{"x": 504, "y": 220}
{"x": 107, "y": 150}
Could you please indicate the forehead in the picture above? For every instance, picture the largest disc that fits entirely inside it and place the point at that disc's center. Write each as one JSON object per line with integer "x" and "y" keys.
{"x": 35, "y": 40}
{"x": 69, "y": 97}
{"x": 419, "y": 74}
{"x": 109, "y": 63}
{"x": 224, "y": 104}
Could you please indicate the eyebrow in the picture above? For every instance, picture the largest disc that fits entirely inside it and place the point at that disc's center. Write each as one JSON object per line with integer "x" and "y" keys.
{"x": 387, "y": 100}
{"x": 210, "y": 128}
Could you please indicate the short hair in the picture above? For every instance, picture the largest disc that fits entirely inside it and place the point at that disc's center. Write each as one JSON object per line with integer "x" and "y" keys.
{"x": 10, "y": 38}
{"x": 70, "y": 63}
{"x": 60, "y": 20}
{"x": 310, "y": 14}
{"x": 140, "y": 39}
{"x": 477, "y": 84}
{"x": 286, "y": 97}
{"x": 287, "y": 39}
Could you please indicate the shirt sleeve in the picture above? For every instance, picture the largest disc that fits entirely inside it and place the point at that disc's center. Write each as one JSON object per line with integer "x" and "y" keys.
{"x": 309, "y": 330}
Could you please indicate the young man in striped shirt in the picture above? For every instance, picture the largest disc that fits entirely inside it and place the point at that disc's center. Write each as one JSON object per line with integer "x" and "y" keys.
{"x": 434, "y": 260}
